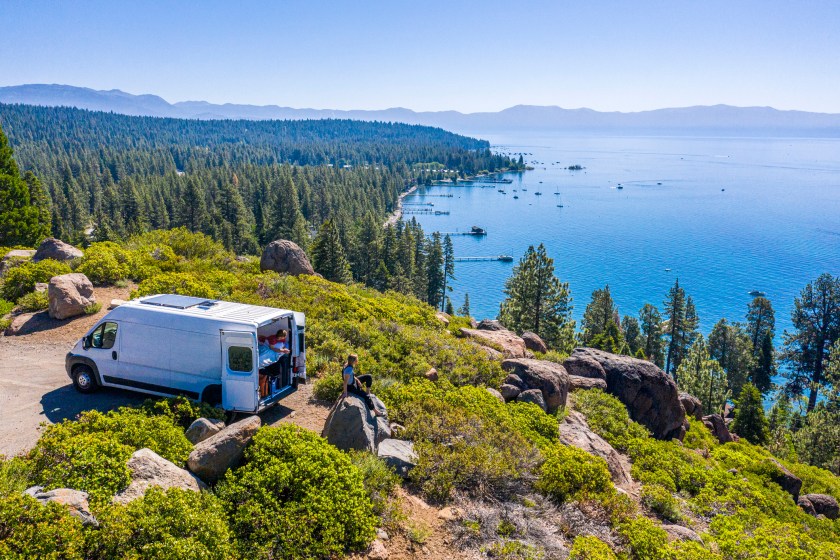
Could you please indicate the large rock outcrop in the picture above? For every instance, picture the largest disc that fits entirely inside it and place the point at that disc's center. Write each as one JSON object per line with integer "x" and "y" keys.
{"x": 351, "y": 425}
{"x": 69, "y": 295}
{"x": 285, "y": 257}
{"x": 211, "y": 458}
{"x": 650, "y": 395}
{"x": 575, "y": 431}
{"x": 398, "y": 454}
{"x": 583, "y": 365}
{"x": 75, "y": 501}
{"x": 717, "y": 426}
{"x": 150, "y": 469}
{"x": 692, "y": 405}
{"x": 789, "y": 482}
{"x": 549, "y": 377}
{"x": 57, "y": 250}
{"x": 576, "y": 382}
{"x": 507, "y": 342}
{"x": 819, "y": 504}
{"x": 534, "y": 343}
{"x": 203, "y": 428}
{"x": 14, "y": 257}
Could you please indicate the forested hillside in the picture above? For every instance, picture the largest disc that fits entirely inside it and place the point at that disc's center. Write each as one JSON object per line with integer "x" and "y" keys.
{"x": 242, "y": 182}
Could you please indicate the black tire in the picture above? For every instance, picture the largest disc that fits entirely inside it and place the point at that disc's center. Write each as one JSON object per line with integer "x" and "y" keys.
{"x": 84, "y": 380}
{"x": 212, "y": 395}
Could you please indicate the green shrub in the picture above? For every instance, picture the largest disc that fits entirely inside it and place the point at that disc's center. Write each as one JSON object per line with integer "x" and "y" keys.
{"x": 29, "y": 530}
{"x": 296, "y": 497}
{"x": 108, "y": 263}
{"x": 815, "y": 480}
{"x": 6, "y": 307}
{"x": 181, "y": 410}
{"x": 661, "y": 502}
{"x": 175, "y": 525}
{"x": 184, "y": 283}
{"x": 381, "y": 483}
{"x": 607, "y": 417}
{"x": 698, "y": 436}
{"x": 34, "y": 301}
{"x": 514, "y": 550}
{"x": 93, "y": 308}
{"x": 571, "y": 473}
{"x": 587, "y": 547}
{"x": 90, "y": 453}
{"x": 330, "y": 384}
{"x": 645, "y": 540}
{"x": 15, "y": 474}
{"x": 21, "y": 279}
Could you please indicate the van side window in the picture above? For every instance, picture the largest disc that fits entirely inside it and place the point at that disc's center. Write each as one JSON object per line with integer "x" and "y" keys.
{"x": 240, "y": 358}
{"x": 104, "y": 336}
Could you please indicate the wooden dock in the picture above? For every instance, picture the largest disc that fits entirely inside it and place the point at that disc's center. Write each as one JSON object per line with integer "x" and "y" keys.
{"x": 502, "y": 258}
{"x": 427, "y": 211}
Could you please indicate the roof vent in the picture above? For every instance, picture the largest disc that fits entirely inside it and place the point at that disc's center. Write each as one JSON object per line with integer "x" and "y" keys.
{"x": 175, "y": 301}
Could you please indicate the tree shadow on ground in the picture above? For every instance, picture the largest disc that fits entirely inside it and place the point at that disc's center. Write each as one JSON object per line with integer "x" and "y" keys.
{"x": 65, "y": 402}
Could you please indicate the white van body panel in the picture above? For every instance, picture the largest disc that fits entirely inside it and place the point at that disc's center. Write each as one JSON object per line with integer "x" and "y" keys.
{"x": 175, "y": 345}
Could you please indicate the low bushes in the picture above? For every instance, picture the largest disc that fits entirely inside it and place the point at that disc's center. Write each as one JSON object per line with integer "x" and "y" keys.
{"x": 571, "y": 473}
{"x": 296, "y": 497}
{"x": 21, "y": 279}
{"x": 90, "y": 454}
{"x": 33, "y": 301}
{"x": 172, "y": 525}
{"x": 588, "y": 547}
{"x": 607, "y": 417}
{"x": 29, "y": 530}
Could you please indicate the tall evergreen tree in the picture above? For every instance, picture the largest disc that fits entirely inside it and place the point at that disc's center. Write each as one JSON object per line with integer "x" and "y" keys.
{"x": 435, "y": 272}
{"x": 731, "y": 346}
{"x": 599, "y": 312}
{"x": 464, "y": 310}
{"x": 750, "y": 422}
{"x": 448, "y": 265}
{"x": 538, "y": 302}
{"x": 328, "y": 254}
{"x": 651, "y": 326}
{"x": 816, "y": 318}
{"x": 675, "y": 332}
{"x": 632, "y": 334}
{"x": 703, "y": 377}
{"x": 20, "y": 221}
{"x": 761, "y": 328}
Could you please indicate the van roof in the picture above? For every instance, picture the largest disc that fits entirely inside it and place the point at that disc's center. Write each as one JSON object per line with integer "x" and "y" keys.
{"x": 212, "y": 309}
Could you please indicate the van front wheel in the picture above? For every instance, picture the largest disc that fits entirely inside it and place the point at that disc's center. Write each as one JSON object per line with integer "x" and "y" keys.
{"x": 84, "y": 380}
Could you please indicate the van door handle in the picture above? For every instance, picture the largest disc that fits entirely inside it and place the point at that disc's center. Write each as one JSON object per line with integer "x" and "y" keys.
{"x": 114, "y": 354}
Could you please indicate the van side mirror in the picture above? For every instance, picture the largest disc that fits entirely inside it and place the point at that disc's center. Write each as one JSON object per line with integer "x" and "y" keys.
{"x": 86, "y": 342}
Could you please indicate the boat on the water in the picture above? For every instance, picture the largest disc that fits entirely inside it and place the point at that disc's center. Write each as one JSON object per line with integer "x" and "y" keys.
{"x": 516, "y": 196}
{"x": 538, "y": 193}
{"x": 757, "y": 293}
{"x": 619, "y": 187}
{"x": 475, "y": 230}
{"x": 505, "y": 258}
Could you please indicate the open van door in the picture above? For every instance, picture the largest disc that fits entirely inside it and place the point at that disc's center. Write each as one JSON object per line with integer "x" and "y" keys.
{"x": 240, "y": 376}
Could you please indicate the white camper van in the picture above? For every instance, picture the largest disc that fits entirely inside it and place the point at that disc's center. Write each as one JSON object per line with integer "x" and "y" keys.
{"x": 203, "y": 349}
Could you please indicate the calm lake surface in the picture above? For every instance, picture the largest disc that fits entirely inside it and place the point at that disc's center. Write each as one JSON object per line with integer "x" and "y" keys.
{"x": 774, "y": 228}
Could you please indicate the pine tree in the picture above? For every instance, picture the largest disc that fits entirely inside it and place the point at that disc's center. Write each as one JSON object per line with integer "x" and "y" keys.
{"x": 761, "y": 327}
{"x": 702, "y": 377}
{"x": 651, "y": 326}
{"x": 610, "y": 339}
{"x": 538, "y": 302}
{"x": 328, "y": 254}
{"x": 681, "y": 326}
{"x": 599, "y": 312}
{"x": 448, "y": 265}
{"x": 632, "y": 334}
{"x": 449, "y": 308}
{"x": 20, "y": 221}
{"x": 750, "y": 422}
{"x": 435, "y": 272}
{"x": 731, "y": 346}
{"x": 464, "y": 310}
{"x": 816, "y": 318}
{"x": 39, "y": 198}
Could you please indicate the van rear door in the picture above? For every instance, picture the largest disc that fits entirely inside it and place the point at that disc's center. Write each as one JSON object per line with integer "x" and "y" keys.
{"x": 240, "y": 379}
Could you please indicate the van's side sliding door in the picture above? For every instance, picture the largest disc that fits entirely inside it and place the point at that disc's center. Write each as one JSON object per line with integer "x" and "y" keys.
{"x": 240, "y": 379}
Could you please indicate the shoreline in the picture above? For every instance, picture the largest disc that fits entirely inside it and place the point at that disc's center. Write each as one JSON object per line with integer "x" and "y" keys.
{"x": 396, "y": 215}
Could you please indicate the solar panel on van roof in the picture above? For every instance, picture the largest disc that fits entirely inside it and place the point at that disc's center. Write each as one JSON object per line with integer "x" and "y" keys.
{"x": 176, "y": 301}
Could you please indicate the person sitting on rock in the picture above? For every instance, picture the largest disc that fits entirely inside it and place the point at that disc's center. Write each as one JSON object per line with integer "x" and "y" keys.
{"x": 354, "y": 383}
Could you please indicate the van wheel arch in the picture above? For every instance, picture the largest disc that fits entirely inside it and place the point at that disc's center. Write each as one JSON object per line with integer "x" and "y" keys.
{"x": 85, "y": 378}
{"x": 212, "y": 395}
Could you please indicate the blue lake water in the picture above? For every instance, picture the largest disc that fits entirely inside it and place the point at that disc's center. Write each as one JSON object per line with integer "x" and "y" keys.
{"x": 774, "y": 228}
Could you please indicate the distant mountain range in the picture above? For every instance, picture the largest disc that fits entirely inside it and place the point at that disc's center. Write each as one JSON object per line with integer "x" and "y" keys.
{"x": 723, "y": 119}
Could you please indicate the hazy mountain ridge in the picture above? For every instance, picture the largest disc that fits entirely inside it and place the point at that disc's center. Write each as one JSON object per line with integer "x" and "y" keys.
{"x": 717, "y": 118}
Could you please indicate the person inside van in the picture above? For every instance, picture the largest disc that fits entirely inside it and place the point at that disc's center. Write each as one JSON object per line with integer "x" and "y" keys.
{"x": 280, "y": 344}
{"x": 357, "y": 384}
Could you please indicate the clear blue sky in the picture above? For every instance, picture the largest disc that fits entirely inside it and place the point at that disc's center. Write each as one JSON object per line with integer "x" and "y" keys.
{"x": 467, "y": 56}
